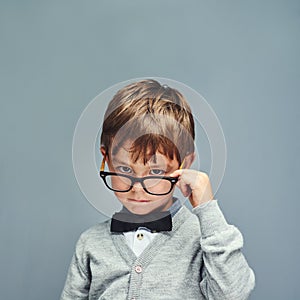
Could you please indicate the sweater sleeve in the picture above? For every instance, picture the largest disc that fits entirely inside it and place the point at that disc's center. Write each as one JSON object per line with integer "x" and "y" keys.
{"x": 77, "y": 284}
{"x": 225, "y": 272}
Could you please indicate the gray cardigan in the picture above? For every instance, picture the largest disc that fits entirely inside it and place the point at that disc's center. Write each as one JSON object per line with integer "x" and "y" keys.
{"x": 199, "y": 259}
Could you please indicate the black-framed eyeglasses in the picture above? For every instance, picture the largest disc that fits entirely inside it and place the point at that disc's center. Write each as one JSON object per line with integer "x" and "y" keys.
{"x": 154, "y": 185}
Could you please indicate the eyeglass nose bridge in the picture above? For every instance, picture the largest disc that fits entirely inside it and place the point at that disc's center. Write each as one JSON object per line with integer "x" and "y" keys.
{"x": 135, "y": 180}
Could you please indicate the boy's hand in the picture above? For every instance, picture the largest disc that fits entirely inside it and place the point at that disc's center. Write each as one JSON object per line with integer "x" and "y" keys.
{"x": 195, "y": 185}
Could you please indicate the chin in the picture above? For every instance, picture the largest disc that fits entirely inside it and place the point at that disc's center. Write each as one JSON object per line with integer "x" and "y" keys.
{"x": 144, "y": 208}
{"x": 140, "y": 210}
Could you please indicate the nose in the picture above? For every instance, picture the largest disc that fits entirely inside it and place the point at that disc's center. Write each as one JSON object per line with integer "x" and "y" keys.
{"x": 137, "y": 186}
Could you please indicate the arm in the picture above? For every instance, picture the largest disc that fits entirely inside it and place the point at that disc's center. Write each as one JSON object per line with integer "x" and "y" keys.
{"x": 225, "y": 273}
{"x": 77, "y": 284}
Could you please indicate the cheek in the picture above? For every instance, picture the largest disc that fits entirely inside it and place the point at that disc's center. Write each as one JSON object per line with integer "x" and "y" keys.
{"x": 120, "y": 196}
{"x": 162, "y": 199}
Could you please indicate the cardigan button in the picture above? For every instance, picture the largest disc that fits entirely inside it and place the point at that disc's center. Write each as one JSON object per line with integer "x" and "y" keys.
{"x": 138, "y": 269}
{"x": 140, "y": 236}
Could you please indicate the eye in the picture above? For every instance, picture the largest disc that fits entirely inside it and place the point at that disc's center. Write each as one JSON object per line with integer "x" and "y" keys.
{"x": 157, "y": 172}
{"x": 124, "y": 169}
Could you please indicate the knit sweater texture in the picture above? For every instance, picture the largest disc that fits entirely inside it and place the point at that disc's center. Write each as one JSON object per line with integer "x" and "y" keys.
{"x": 200, "y": 258}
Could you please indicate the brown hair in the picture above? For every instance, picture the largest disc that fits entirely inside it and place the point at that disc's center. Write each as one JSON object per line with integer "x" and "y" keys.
{"x": 154, "y": 116}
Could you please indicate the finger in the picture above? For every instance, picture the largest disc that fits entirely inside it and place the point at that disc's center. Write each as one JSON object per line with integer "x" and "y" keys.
{"x": 184, "y": 188}
{"x": 176, "y": 173}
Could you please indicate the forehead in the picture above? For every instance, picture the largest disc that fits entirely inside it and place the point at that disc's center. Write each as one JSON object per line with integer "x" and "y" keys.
{"x": 124, "y": 154}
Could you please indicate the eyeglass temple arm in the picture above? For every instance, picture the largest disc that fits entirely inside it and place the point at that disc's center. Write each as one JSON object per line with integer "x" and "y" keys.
{"x": 181, "y": 166}
{"x": 103, "y": 164}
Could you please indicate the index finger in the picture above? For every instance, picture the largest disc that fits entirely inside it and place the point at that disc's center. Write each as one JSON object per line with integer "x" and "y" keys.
{"x": 177, "y": 173}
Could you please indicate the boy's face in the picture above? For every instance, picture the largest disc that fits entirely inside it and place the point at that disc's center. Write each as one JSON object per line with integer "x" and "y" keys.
{"x": 137, "y": 200}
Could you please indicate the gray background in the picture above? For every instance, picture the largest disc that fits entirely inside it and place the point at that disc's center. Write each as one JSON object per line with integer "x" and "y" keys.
{"x": 56, "y": 56}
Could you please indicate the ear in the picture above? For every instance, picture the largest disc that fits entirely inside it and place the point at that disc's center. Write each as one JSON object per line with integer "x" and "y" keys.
{"x": 102, "y": 150}
{"x": 188, "y": 160}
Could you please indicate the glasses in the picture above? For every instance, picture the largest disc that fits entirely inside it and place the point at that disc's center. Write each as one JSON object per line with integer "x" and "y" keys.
{"x": 154, "y": 185}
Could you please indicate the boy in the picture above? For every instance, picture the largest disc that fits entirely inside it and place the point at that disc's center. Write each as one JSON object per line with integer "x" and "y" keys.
{"x": 155, "y": 248}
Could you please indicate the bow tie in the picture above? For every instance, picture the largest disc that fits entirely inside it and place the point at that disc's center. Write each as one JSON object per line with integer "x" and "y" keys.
{"x": 127, "y": 221}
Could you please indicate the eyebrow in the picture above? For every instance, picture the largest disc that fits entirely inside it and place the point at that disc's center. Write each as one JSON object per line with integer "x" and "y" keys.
{"x": 156, "y": 165}
{"x": 151, "y": 165}
{"x": 116, "y": 160}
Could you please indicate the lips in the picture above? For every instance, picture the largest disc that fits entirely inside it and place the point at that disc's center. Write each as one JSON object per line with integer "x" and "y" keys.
{"x": 139, "y": 200}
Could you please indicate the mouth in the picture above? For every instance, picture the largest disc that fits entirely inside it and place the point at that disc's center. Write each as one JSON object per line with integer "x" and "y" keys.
{"x": 138, "y": 200}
